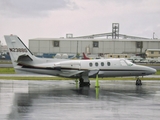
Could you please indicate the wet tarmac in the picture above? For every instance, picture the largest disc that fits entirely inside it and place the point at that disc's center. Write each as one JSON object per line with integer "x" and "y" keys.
{"x": 64, "y": 100}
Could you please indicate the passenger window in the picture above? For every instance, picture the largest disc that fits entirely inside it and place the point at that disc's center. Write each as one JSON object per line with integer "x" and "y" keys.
{"x": 102, "y": 63}
{"x": 96, "y": 64}
{"x": 108, "y": 63}
{"x": 90, "y": 64}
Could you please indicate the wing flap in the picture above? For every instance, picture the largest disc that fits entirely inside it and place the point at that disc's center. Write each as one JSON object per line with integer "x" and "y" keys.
{"x": 70, "y": 73}
{"x": 93, "y": 72}
{"x": 76, "y": 72}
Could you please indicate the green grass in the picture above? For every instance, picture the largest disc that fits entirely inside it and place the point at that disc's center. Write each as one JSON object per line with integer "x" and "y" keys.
{"x": 32, "y": 78}
{"x": 158, "y": 72}
{"x": 5, "y": 62}
{"x": 7, "y": 71}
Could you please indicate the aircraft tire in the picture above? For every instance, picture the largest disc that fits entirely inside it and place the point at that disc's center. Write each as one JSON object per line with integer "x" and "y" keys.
{"x": 83, "y": 84}
{"x": 138, "y": 82}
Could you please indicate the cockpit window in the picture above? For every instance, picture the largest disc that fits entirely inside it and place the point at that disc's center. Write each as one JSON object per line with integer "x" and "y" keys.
{"x": 126, "y": 63}
{"x": 129, "y": 62}
{"x": 123, "y": 63}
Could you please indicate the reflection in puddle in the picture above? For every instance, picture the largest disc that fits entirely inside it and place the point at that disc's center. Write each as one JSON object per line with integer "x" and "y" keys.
{"x": 41, "y": 100}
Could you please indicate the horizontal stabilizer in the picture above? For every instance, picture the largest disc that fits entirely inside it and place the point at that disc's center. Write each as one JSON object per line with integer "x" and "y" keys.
{"x": 24, "y": 58}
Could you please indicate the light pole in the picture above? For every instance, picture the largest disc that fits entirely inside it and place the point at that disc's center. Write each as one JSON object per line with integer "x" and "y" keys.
{"x": 153, "y": 34}
{"x": 77, "y": 50}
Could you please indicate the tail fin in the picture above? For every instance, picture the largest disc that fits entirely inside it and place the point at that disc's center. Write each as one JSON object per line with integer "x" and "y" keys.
{"x": 85, "y": 57}
{"x": 17, "y": 49}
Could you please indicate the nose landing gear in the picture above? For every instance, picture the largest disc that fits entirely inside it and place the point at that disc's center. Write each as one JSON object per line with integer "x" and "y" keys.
{"x": 138, "y": 82}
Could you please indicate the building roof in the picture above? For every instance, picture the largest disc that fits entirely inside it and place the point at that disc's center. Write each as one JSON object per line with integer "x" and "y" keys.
{"x": 85, "y": 39}
{"x": 153, "y": 50}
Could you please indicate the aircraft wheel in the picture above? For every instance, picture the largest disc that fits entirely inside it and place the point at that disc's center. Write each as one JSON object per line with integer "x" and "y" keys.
{"x": 138, "y": 82}
{"x": 81, "y": 83}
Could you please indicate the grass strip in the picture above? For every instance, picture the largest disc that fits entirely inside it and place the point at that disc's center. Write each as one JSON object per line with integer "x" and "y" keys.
{"x": 158, "y": 72}
{"x": 7, "y": 71}
{"x": 5, "y": 62}
{"x": 32, "y": 78}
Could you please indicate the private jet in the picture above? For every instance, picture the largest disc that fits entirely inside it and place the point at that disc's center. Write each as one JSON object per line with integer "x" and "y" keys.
{"x": 25, "y": 62}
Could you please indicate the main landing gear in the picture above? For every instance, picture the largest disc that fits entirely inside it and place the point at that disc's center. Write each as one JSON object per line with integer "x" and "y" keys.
{"x": 84, "y": 80}
{"x": 83, "y": 83}
{"x": 138, "y": 82}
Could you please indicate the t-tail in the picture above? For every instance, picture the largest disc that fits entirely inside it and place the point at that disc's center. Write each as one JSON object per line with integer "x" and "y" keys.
{"x": 18, "y": 50}
{"x": 85, "y": 57}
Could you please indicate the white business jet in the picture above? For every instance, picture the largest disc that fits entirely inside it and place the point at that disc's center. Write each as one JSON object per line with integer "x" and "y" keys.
{"x": 25, "y": 62}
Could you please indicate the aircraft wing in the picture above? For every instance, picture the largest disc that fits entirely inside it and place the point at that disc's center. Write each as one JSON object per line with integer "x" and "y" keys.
{"x": 67, "y": 73}
{"x": 93, "y": 72}
{"x": 70, "y": 73}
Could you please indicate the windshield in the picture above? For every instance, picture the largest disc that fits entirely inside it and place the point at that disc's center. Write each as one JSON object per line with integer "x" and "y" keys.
{"x": 126, "y": 63}
{"x": 129, "y": 63}
{"x": 123, "y": 63}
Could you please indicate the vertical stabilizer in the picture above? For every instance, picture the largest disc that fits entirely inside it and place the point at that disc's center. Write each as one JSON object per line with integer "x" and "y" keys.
{"x": 85, "y": 57}
{"x": 17, "y": 48}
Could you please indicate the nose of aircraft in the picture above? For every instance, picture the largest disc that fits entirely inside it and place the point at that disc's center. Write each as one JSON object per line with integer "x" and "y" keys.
{"x": 152, "y": 71}
{"x": 148, "y": 70}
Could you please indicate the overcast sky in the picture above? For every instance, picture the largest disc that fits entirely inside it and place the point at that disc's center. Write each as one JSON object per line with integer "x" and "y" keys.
{"x": 55, "y": 18}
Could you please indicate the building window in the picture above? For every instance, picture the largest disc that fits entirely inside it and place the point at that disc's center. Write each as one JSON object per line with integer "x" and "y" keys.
{"x": 95, "y": 43}
{"x": 152, "y": 52}
{"x": 56, "y": 43}
{"x": 139, "y": 44}
{"x": 159, "y": 52}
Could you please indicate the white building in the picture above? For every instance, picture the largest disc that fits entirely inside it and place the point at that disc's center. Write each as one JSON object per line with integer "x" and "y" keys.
{"x": 93, "y": 46}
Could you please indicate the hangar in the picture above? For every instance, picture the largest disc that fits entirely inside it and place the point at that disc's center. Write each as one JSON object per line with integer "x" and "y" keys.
{"x": 101, "y": 44}
{"x": 92, "y": 46}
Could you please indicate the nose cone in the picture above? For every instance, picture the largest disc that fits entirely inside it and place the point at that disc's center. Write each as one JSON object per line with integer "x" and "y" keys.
{"x": 151, "y": 70}
{"x": 147, "y": 70}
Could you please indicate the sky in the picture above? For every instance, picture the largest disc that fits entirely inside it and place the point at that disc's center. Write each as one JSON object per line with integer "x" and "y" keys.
{"x": 55, "y": 18}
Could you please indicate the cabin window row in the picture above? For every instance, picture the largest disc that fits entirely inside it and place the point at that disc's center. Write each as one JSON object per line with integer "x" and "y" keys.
{"x": 97, "y": 64}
